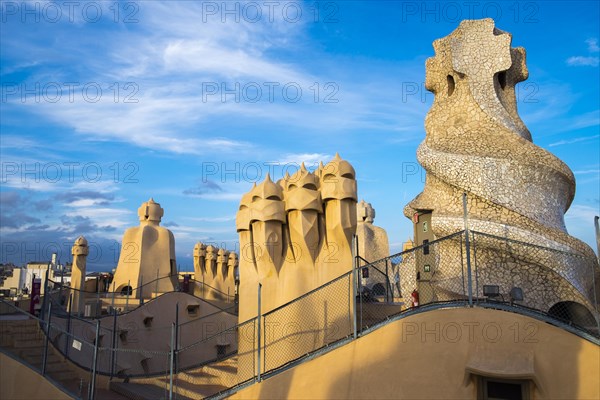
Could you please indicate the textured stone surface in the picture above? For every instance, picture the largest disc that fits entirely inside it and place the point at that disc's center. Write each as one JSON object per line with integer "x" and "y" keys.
{"x": 476, "y": 143}
{"x": 373, "y": 243}
{"x": 216, "y": 268}
{"x": 296, "y": 234}
{"x": 147, "y": 253}
{"x": 80, "y": 252}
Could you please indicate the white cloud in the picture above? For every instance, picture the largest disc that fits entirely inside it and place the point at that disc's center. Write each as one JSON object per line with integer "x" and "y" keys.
{"x": 213, "y": 219}
{"x": 586, "y": 61}
{"x": 219, "y": 196}
{"x": 118, "y": 218}
{"x": 173, "y": 51}
{"x": 578, "y": 61}
{"x": 586, "y": 120}
{"x": 593, "y": 45}
{"x": 574, "y": 140}
{"x": 580, "y": 222}
{"x": 309, "y": 159}
{"x": 86, "y": 202}
{"x": 587, "y": 171}
{"x": 165, "y": 58}
{"x": 17, "y": 142}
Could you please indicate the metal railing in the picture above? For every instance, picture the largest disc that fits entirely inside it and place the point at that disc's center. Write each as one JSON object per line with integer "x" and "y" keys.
{"x": 129, "y": 298}
{"x": 465, "y": 269}
{"x": 453, "y": 271}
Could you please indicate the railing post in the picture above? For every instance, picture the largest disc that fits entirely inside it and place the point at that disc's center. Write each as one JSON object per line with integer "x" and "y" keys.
{"x": 113, "y": 349}
{"x": 92, "y": 387}
{"x": 354, "y": 283}
{"x": 45, "y": 356}
{"x": 360, "y": 279}
{"x": 60, "y": 292}
{"x": 597, "y": 226}
{"x": 171, "y": 361}
{"x": 176, "y": 331}
{"x": 141, "y": 290}
{"x": 156, "y": 286}
{"x": 68, "y": 327}
{"x": 387, "y": 280}
{"x": 258, "y": 320}
{"x": 129, "y": 290}
{"x": 112, "y": 302}
{"x": 46, "y": 291}
{"x": 468, "y": 250}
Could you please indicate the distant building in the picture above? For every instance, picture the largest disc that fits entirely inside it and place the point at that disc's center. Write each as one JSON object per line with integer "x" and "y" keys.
{"x": 12, "y": 279}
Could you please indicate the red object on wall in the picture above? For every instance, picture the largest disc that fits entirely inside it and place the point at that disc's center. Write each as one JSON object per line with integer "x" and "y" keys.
{"x": 186, "y": 283}
{"x": 414, "y": 298}
{"x": 416, "y": 218}
{"x": 36, "y": 287}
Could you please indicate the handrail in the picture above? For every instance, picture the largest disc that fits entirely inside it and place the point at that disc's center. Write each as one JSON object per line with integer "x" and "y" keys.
{"x": 60, "y": 284}
{"x": 142, "y": 286}
{"x": 503, "y": 238}
{"x": 454, "y": 297}
{"x": 213, "y": 288}
{"x": 106, "y": 295}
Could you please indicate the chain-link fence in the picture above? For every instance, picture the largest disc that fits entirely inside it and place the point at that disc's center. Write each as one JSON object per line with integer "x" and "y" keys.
{"x": 430, "y": 273}
{"x": 97, "y": 299}
{"x": 553, "y": 280}
{"x": 217, "y": 362}
{"x": 204, "y": 356}
{"x": 131, "y": 333}
{"x": 205, "y": 291}
{"x": 31, "y": 340}
{"x": 317, "y": 319}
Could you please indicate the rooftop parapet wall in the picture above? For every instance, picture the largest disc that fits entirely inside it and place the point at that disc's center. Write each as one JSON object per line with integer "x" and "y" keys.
{"x": 476, "y": 143}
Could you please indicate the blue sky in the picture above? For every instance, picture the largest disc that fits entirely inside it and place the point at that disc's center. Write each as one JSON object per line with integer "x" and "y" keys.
{"x": 106, "y": 104}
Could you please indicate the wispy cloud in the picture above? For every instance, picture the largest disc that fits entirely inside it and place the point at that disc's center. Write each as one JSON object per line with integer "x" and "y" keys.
{"x": 310, "y": 159}
{"x": 586, "y": 120}
{"x": 574, "y": 140}
{"x": 582, "y": 213}
{"x": 587, "y": 171}
{"x": 160, "y": 66}
{"x": 214, "y": 219}
{"x": 236, "y": 196}
{"x": 168, "y": 65}
{"x": 207, "y": 189}
{"x": 583, "y": 61}
{"x": 586, "y": 61}
{"x": 593, "y": 45}
{"x": 204, "y": 187}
